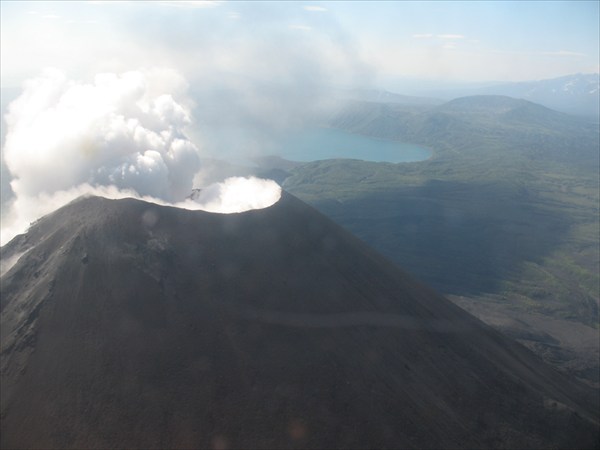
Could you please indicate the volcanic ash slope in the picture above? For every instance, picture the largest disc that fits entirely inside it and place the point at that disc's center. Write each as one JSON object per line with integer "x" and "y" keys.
{"x": 127, "y": 324}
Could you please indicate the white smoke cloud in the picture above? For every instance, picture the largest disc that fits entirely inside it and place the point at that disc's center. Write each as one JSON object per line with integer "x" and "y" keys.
{"x": 120, "y": 136}
{"x": 233, "y": 195}
{"x": 237, "y": 194}
{"x": 123, "y": 130}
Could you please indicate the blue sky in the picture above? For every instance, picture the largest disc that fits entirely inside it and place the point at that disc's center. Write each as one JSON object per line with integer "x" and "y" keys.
{"x": 333, "y": 42}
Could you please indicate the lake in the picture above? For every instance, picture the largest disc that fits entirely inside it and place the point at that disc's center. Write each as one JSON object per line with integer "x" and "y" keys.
{"x": 308, "y": 144}
{"x": 329, "y": 143}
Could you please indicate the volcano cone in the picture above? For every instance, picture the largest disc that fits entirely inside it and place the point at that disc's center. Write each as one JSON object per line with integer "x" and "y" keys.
{"x": 131, "y": 325}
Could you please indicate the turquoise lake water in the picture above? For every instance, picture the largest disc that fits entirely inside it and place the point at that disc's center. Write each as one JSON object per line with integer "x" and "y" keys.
{"x": 308, "y": 144}
{"x": 329, "y": 143}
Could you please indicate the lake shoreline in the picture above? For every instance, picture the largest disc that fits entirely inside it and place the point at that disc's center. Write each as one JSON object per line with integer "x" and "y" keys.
{"x": 301, "y": 147}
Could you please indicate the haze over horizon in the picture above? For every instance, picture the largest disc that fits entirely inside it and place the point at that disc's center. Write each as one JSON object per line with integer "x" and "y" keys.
{"x": 353, "y": 43}
{"x": 141, "y": 87}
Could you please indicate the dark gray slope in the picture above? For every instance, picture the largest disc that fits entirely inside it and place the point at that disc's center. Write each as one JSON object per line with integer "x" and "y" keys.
{"x": 126, "y": 324}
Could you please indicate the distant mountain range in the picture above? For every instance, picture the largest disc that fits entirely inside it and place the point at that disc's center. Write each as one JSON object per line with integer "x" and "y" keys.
{"x": 577, "y": 94}
{"x": 383, "y": 96}
{"x": 478, "y": 123}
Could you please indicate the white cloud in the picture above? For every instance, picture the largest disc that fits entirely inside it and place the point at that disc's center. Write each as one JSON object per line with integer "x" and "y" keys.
{"x": 300, "y": 27}
{"x": 450, "y": 36}
{"x": 422, "y": 36}
{"x": 313, "y": 8}
{"x": 235, "y": 194}
{"x": 106, "y": 134}
{"x": 120, "y": 136}
{"x": 534, "y": 54}
{"x": 564, "y": 53}
{"x": 198, "y": 4}
{"x": 124, "y": 130}
{"x": 472, "y": 63}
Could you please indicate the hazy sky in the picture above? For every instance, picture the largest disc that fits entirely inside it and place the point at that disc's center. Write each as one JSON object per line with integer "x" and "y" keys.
{"x": 339, "y": 42}
{"x": 121, "y": 96}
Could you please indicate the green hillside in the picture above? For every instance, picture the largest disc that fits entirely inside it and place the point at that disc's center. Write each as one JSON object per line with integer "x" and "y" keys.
{"x": 506, "y": 211}
{"x": 479, "y": 126}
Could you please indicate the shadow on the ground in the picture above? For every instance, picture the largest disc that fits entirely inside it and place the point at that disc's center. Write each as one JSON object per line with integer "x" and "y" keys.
{"x": 459, "y": 238}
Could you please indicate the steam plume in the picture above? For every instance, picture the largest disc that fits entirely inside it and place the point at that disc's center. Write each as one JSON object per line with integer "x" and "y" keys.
{"x": 122, "y": 130}
{"x": 120, "y": 136}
